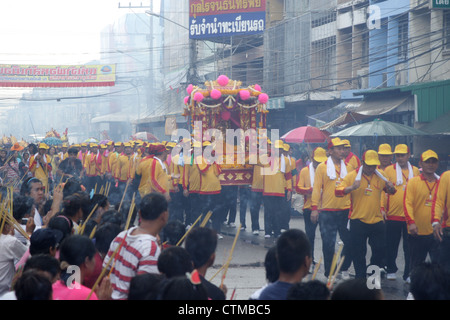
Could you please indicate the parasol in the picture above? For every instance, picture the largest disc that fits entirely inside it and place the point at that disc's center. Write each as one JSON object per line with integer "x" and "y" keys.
{"x": 379, "y": 128}
{"x": 146, "y": 136}
{"x": 52, "y": 141}
{"x": 306, "y": 134}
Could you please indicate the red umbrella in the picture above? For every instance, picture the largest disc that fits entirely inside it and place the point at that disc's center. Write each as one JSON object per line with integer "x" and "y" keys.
{"x": 306, "y": 134}
{"x": 147, "y": 136}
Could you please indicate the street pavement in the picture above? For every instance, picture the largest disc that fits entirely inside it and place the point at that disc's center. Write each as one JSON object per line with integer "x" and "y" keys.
{"x": 246, "y": 272}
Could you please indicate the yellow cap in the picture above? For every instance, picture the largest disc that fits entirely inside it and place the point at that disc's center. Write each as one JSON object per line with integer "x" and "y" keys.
{"x": 171, "y": 145}
{"x": 76, "y": 145}
{"x": 103, "y": 146}
{"x": 43, "y": 146}
{"x": 347, "y": 143}
{"x": 206, "y": 143}
{"x": 84, "y": 144}
{"x": 93, "y": 145}
{"x": 320, "y": 154}
{"x": 118, "y": 144}
{"x": 279, "y": 144}
{"x": 384, "y": 149}
{"x": 64, "y": 145}
{"x": 335, "y": 142}
{"x": 401, "y": 148}
{"x": 127, "y": 144}
{"x": 428, "y": 155}
{"x": 286, "y": 147}
{"x": 110, "y": 143}
{"x": 370, "y": 157}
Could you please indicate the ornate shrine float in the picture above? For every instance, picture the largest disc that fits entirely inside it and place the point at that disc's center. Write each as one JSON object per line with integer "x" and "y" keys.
{"x": 223, "y": 104}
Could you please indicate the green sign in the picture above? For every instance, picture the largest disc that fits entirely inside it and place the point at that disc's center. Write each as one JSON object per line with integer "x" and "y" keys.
{"x": 440, "y": 4}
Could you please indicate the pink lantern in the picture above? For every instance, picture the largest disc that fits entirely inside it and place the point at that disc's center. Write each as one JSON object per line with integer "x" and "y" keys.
{"x": 263, "y": 98}
{"x": 189, "y": 89}
{"x": 198, "y": 96}
{"x": 244, "y": 94}
{"x": 223, "y": 80}
{"x": 215, "y": 94}
{"x": 186, "y": 100}
{"x": 257, "y": 87}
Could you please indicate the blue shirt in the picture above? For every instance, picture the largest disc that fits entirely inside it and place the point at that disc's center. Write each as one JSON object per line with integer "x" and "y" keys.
{"x": 276, "y": 291}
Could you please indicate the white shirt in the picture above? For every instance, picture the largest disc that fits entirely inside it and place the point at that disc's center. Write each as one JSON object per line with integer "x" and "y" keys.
{"x": 11, "y": 250}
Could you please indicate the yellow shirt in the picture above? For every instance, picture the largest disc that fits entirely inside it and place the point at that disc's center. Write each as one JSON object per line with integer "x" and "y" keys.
{"x": 143, "y": 170}
{"x": 288, "y": 174}
{"x": 257, "y": 182}
{"x": 365, "y": 201}
{"x": 113, "y": 159}
{"x": 191, "y": 178}
{"x": 419, "y": 195}
{"x": 352, "y": 162}
{"x": 177, "y": 170}
{"x": 439, "y": 211}
{"x": 393, "y": 203}
{"x": 93, "y": 164}
{"x": 124, "y": 168}
{"x": 209, "y": 176}
{"x": 105, "y": 164}
{"x": 40, "y": 172}
{"x": 274, "y": 180}
{"x": 323, "y": 190}
{"x": 304, "y": 188}
{"x": 159, "y": 179}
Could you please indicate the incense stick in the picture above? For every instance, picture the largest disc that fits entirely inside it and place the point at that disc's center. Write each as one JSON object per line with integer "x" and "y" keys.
{"x": 123, "y": 196}
{"x": 335, "y": 259}
{"x": 130, "y": 212}
{"x": 189, "y": 230}
{"x": 316, "y": 269}
{"x": 330, "y": 285}
{"x": 231, "y": 255}
{"x": 83, "y": 226}
{"x": 205, "y": 221}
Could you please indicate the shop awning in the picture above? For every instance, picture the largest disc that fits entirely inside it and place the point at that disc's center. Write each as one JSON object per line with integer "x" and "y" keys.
{"x": 348, "y": 117}
{"x": 123, "y": 116}
{"x": 375, "y": 106}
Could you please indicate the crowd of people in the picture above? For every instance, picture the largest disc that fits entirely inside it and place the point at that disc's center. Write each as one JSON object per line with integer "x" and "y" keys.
{"x": 108, "y": 220}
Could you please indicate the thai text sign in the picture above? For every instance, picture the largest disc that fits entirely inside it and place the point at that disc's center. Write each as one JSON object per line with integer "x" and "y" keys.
{"x": 57, "y": 76}
{"x": 213, "y": 18}
{"x": 440, "y": 4}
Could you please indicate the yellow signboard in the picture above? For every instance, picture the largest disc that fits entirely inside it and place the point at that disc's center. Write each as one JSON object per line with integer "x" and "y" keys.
{"x": 57, "y": 76}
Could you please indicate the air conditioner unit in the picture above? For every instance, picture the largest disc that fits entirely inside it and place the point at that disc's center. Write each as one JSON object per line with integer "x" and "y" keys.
{"x": 363, "y": 79}
{"x": 401, "y": 75}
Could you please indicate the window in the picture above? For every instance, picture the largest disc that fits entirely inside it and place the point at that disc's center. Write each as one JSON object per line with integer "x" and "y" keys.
{"x": 446, "y": 30}
{"x": 365, "y": 48}
{"x": 403, "y": 38}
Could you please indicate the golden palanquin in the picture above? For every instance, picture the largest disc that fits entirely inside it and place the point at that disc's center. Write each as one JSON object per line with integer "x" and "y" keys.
{"x": 224, "y": 105}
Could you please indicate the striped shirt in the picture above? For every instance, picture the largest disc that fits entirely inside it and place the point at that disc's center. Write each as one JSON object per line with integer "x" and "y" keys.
{"x": 138, "y": 255}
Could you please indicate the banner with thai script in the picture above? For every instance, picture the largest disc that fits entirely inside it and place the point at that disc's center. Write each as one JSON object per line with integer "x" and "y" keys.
{"x": 213, "y": 18}
{"x": 57, "y": 76}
